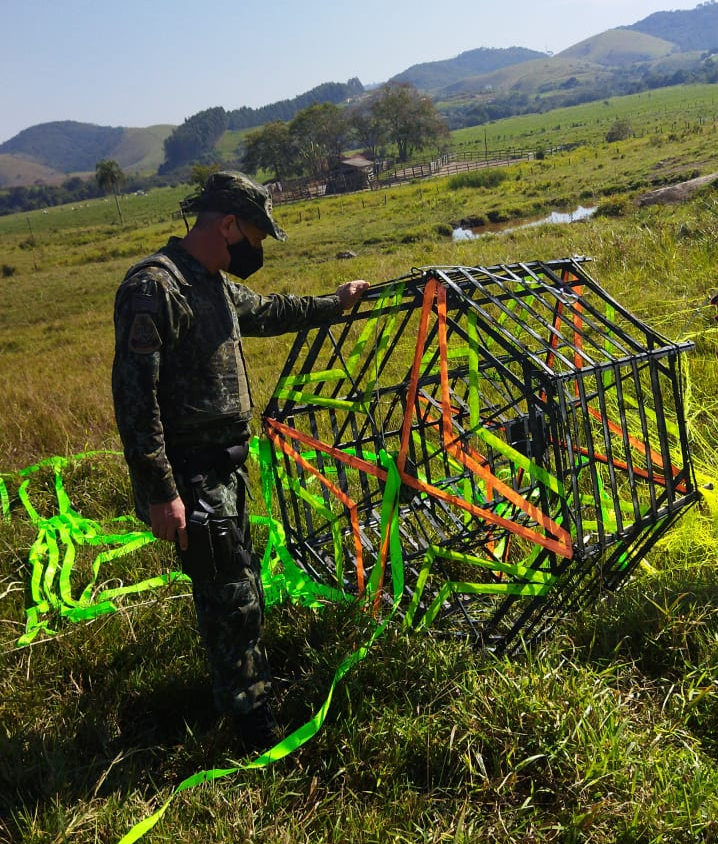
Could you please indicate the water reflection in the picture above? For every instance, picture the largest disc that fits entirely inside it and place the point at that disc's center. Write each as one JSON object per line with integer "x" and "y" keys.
{"x": 580, "y": 213}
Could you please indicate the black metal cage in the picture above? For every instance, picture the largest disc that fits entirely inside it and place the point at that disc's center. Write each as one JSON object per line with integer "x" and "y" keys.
{"x": 511, "y": 438}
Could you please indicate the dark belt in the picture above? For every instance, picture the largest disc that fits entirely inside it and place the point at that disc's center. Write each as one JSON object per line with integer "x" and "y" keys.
{"x": 197, "y": 461}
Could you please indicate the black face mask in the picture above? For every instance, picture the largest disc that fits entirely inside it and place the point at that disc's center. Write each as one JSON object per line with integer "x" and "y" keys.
{"x": 244, "y": 259}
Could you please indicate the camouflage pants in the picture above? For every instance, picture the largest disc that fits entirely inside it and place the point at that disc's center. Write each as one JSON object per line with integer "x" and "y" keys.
{"x": 230, "y": 605}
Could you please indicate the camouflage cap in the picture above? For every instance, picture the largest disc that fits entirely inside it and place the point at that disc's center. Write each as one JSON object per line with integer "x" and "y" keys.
{"x": 232, "y": 192}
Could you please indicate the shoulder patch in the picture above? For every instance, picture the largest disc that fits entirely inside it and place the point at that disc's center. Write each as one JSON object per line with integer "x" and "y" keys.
{"x": 144, "y": 337}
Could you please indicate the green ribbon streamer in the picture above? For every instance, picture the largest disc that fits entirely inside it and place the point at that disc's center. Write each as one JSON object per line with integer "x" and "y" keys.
{"x": 386, "y": 305}
{"x": 389, "y": 530}
{"x": 52, "y": 568}
{"x": 323, "y": 401}
{"x": 52, "y": 591}
{"x": 4, "y": 501}
{"x": 50, "y": 584}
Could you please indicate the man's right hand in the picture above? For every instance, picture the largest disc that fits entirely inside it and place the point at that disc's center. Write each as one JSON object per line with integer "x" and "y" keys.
{"x": 168, "y": 521}
{"x": 351, "y": 292}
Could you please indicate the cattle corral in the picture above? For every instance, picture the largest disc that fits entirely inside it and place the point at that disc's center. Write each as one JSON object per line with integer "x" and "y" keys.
{"x": 357, "y": 173}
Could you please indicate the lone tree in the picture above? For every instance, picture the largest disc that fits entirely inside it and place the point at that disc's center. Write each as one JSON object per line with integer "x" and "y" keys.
{"x": 411, "y": 120}
{"x": 311, "y": 143}
{"x": 369, "y": 129}
{"x": 109, "y": 177}
{"x": 318, "y": 133}
{"x": 201, "y": 173}
{"x": 270, "y": 148}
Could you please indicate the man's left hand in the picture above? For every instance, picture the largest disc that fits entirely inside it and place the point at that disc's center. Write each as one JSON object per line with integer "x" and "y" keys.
{"x": 351, "y": 292}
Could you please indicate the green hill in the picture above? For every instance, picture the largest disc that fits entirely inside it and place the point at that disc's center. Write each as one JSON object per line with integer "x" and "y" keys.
{"x": 590, "y": 62}
{"x": 141, "y": 150}
{"x": 619, "y": 48}
{"x": 65, "y": 145}
{"x": 19, "y": 171}
{"x": 432, "y": 76}
{"x": 612, "y": 63}
{"x": 529, "y": 77}
{"x": 50, "y": 152}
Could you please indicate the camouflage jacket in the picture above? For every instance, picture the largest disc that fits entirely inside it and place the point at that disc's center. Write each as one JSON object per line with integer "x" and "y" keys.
{"x": 178, "y": 377}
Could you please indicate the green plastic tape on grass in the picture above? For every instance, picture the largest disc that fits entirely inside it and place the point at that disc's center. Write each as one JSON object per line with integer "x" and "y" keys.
{"x": 53, "y": 555}
{"x": 389, "y": 532}
{"x": 4, "y": 500}
{"x": 51, "y": 587}
{"x": 293, "y": 741}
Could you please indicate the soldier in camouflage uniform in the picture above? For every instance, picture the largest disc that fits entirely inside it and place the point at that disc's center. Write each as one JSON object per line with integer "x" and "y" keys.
{"x": 183, "y": 408}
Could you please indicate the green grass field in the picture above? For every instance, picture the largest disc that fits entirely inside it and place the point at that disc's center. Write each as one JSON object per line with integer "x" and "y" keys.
{"x": 606, "y": 733}
{"x": 655, "y": 114}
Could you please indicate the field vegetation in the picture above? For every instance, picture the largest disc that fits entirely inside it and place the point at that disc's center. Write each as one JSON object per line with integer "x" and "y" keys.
{"x": 656, "y": 116}
{"x": 606, "y": 733}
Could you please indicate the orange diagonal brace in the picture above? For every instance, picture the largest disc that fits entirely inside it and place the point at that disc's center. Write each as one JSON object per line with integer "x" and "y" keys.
{"x": 658, "y": 478}
{"x": 336, "y": 453}
{"x": 429, "y": 293}
{"x": 469, "y": 461}
{"x": 343, "y": 497}
{"x": 557, "y": 547}
{"x": 615, "y": 428}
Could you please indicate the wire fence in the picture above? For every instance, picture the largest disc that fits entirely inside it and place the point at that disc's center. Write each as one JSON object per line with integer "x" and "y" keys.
{"x": 385, "y": 174}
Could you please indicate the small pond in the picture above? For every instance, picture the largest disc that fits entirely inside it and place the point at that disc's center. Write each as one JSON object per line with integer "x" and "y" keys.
{"x": 579, "y": 213}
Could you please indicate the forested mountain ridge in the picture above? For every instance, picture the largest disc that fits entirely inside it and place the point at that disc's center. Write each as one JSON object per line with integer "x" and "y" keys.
{"x": 328, "y": 92}
{"x": 692, "y": 29}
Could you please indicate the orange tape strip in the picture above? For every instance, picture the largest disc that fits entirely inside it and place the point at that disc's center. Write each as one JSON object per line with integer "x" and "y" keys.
{"x": 429, "y": 294}
{"x": 553, "y": 342}
{"x": 472, "y": 459}
{"x": 659, "y": 478}
{"x": 577, "y": 321}
{"x": 636, "y": 443}
{"x": 346, "y": 501}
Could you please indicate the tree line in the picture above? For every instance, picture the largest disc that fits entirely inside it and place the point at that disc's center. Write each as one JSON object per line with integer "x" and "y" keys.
{"x": 312, "y": 141}
{"x": 311, "y": 144}
{"x": 328, "y": 92}
{"x": 195, "y": 139}
{"x": 75, "y": 189}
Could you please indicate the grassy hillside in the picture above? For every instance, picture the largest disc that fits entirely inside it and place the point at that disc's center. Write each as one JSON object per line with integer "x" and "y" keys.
{"x": 51, "y": 152}
{"x": 65, "y": 144}
{"x": 529, "y": 77}
{"x": 432, "y": 76}
{"x": 142, "y": 150}
{"x": 687, "y": 111}
{"x": 590, "y": 63}
{"x": 605, "y": 734}
{"x": 16, "y": 171}
{"x": 619, "y": 47}
{"x": 228, "y": 144}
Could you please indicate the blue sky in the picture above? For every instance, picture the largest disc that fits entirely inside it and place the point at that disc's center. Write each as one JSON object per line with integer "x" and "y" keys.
{"x": 142, "y": 62}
